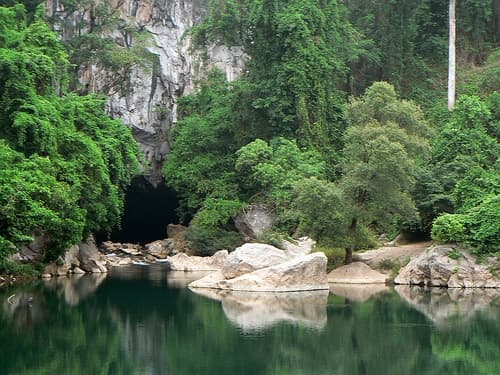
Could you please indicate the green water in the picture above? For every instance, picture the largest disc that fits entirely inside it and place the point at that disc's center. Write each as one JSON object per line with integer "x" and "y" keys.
{"x": 145, "y": 321}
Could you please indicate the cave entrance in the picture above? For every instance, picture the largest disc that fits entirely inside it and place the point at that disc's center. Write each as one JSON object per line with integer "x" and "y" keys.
{"x": 148, "y": 210}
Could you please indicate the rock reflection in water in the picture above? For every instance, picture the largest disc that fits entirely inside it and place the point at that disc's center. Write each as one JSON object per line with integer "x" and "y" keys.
{"x": 441, "y": 304}
{"x": 26, "y": 309}
{"x": 253, "y": 311}
{"x": 181, "y": 279}
{"x": 156, "y": 273}
{"x": 76, "y": 287}
{"x": 358, "y": 292}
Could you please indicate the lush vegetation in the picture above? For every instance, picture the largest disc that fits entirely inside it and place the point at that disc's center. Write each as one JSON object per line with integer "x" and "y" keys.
{"x": 64, "y": 164}
{"x": 338, "y": 124}
{"x": 340, "y": 169}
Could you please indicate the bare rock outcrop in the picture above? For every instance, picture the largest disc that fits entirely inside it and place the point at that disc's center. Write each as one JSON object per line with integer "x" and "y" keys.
{"x": 356, "y": 273}
{"x": 251, "y": 257}
{"x": 301, "y": 246}
{"x": 447, "y": 266}
{"x": 306, "y": 272}
{"x": 144, "y": 96}
{"x": 254, "y": 220}
{"x": 183, "y": 262}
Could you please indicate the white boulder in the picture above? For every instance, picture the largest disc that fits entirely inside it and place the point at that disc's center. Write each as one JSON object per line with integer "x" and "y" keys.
{"x": 251, "y": 257}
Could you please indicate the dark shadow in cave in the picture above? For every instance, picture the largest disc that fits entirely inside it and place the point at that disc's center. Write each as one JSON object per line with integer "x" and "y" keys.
{"x": 148, "y": 210}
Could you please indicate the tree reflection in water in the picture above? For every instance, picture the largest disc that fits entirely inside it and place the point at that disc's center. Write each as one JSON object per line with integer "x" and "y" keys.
{"x": 136, "y": 321}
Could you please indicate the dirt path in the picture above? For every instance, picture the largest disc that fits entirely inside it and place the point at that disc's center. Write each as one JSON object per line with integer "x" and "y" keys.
{"x": 397, "y": 254}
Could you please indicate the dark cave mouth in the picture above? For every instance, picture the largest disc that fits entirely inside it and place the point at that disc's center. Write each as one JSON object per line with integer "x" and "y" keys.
{"x": 148, "y": 210}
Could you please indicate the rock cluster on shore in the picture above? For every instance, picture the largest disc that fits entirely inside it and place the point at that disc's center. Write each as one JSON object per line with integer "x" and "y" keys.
{"x": 263, "y": 268}
{"x": 448, "y": 266}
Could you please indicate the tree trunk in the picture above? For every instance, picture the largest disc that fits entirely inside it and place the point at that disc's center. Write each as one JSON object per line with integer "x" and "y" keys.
{"x": 451, "y": 56}
{"x": 348, "y": 255}
{"x": 352, "y": 234}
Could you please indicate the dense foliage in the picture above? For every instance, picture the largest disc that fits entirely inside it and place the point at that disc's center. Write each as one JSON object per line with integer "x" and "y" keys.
{"x": 64, "y": 165}
{"x": 286, "y": 136}
{"x": 309, "y": 129}
{"x": 466, "y": 155}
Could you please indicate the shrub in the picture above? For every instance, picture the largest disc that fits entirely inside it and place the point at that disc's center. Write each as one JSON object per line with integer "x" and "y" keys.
{"x": 205, "y": 241}
{"x": 484, "y": 225}
{"x": 272, "y": 238}
{"x": 335, "y": 256}
{"x": 449, "y": 228}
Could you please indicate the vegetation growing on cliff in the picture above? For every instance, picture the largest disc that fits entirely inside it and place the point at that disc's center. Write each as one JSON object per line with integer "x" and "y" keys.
{"x": 64, "y": 165}
{"x": 372, "y": 164}
{"x": 309, "y": 124}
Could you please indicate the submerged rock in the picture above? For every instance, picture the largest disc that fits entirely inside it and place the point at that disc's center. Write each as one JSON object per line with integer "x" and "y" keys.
{"x": 447, "y": 266}
{"x": 356, "y": 273}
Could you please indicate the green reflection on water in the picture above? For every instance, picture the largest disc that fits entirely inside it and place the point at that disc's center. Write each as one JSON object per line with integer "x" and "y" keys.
{"x": 146, "y": 322}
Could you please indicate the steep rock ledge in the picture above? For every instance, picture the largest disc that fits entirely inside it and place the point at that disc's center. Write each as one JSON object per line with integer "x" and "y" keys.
{"x": 146, "y": 100}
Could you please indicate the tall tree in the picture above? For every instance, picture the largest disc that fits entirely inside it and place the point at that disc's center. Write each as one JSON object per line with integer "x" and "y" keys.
{"x": 451, "y": 56}
{"x": 384, "y": 144}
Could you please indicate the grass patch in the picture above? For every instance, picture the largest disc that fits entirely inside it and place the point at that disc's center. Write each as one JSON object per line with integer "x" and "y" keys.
{"x": 454, "y": 254}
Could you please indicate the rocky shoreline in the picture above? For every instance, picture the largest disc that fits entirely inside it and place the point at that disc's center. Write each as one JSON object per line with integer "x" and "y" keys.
{"x": 262, "y": 267}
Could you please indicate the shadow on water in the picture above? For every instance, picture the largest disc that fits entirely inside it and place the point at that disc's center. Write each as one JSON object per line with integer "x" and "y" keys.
{"x": 144, "y": 320}
{"x": 148, "y": 210}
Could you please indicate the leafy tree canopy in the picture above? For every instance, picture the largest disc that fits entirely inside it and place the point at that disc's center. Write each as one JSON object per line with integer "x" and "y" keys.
{"x": 65, "y": 164}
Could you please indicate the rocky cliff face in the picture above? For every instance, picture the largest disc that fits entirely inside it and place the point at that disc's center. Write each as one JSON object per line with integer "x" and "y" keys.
{"x": 145, "y": 98}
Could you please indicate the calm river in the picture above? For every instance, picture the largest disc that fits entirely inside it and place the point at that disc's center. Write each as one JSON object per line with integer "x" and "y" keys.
{"x": 144, "y": 320}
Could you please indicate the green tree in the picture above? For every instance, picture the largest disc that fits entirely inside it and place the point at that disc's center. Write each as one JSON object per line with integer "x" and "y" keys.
{"x": 65, "y": 163}
{"x": 299, "y": 55}
{"x": 384, "y": 144}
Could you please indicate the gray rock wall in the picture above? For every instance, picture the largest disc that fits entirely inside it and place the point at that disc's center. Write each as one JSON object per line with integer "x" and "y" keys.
{"x": 149, "y": 104}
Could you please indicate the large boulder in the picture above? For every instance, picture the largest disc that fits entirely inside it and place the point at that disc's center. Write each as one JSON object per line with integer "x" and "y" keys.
{"x": 299, "y": 247}
{"x": 356, "y": 273}
{"x": 251, "y": 257}
{"x": 64, "y": 264}
{"x": 91, "y": 260}
{"x": 160, "y": 249}
{"x": 302, "y": 273}
{"x": 447, "y": 266}
{"x": 176, "y": 231}
{"x": 183, "y": 262}
{"x": 254, "y": 220}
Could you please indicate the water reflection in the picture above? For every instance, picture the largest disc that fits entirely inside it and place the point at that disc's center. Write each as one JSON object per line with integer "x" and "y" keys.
{"x": 135, "y": 322}
{"x": 181, "y": 279}
{"x": 358, "y": 292}
{"x": 252, "y": 311}
{"x": 26, "y": 309}
{"x": 442, "y": 305}
{"x": 76, "y": 287}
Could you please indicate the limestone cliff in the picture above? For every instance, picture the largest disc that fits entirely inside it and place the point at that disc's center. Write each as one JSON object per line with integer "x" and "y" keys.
{"x": 148, "y": 104}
